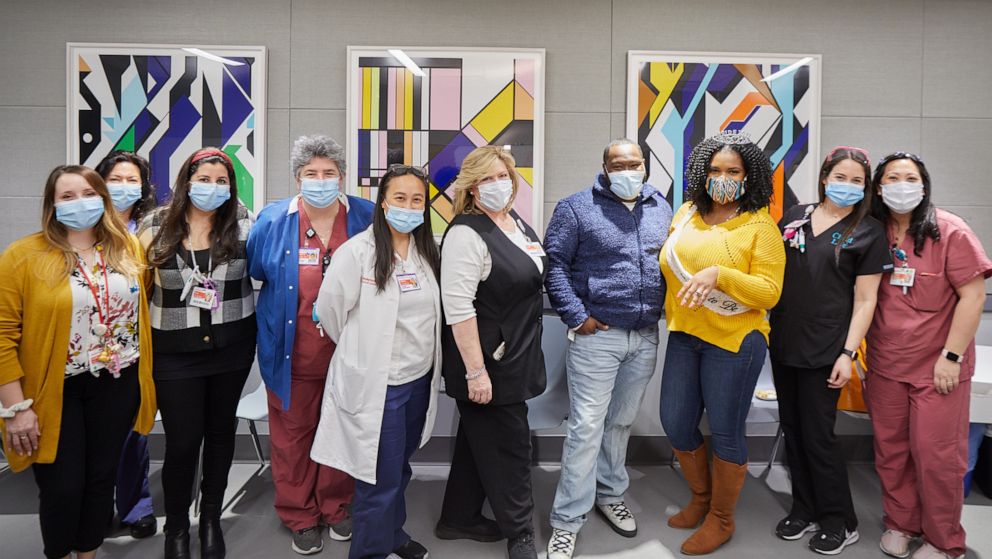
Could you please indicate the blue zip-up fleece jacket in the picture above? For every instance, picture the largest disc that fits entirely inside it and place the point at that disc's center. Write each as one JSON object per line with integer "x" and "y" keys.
{"x": 603, "y": 257}
{"x": 273, "y": 259}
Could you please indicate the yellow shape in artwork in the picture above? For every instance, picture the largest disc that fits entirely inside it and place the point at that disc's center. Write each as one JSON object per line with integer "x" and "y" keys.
{"x": 438, "y": 223}
{"x": 366, "y": 98}
{"x": 523, "y": 103}
{"x": 663, "y": 78}
{"x": 526, "y": 173}
{"x": 495, "y": 117}
{"x": 408, "y": 101}
{"x": 433, "y": 189}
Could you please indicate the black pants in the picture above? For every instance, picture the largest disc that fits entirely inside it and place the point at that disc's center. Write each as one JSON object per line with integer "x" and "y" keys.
{"x": 76, "y": 492}
{"x": 491, "y": 461}
{"x": 807, "y": 410}
{"x": 196, "y": 410}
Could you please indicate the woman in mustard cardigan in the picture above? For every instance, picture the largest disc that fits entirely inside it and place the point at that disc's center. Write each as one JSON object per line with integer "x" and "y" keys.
{"x": 723, "y": 263}
{"x": 75, "y": 357}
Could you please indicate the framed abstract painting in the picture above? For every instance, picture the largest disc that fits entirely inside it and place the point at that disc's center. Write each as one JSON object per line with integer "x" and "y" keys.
{"x": 430, "y": 107}
{"x": 677, "y": 99}
{"x": 166, "y": 101}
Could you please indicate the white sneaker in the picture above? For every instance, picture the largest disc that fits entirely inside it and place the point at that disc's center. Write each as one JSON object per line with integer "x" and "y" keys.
{"x": 619, "y": 517}
{"x": 561, "y": 545}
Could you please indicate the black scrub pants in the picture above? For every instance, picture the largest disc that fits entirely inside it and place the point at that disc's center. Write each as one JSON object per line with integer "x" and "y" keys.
{"x": 76, "y": 491}
{"x": 807, "y": 411}
{"x": 492, "y": 461}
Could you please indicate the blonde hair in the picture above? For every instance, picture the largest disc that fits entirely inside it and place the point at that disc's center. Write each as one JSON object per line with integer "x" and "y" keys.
{"x": 110, "y": 231}
{"x": 475, "y": 167}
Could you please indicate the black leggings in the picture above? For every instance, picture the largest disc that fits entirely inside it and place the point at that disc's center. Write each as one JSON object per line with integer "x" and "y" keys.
{"x": 76, "y": 491}
{"x": 196, "y": 410}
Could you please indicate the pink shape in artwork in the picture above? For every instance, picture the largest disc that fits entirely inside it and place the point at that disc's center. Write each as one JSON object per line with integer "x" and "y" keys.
{"x": 390, "y": 101}
{"x": 523, "y": 204}
{"x": 523, "y": 73}
{"x": 445, "y": 98}
{"x": 383, "y": 149}
{"x": 472, "y": 134}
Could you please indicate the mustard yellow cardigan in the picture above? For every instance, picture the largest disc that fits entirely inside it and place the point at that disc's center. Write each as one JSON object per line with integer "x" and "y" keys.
{"x": 35, "y": 316}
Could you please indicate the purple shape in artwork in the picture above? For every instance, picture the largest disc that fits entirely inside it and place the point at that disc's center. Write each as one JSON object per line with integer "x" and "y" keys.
{"x": 159, "y": 68}
{"x": 689, "y": 85}
{"x": 725, "y": 74}
{"x": 182, "y": 118}
{"x": 144, "y": 124}
{"x": 444, "y": 166}
{"x": 236, "y": 109}
{"x": 795, "y": 150}
{"x": 242, "y": 73}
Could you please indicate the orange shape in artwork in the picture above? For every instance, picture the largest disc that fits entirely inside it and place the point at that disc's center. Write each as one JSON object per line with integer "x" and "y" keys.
{"x": 83, "y": 66}
{"x": 778, "y": 192}
{"x": 523, "y": 103}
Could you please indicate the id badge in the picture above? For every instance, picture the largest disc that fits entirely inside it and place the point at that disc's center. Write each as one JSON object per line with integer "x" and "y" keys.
{"x": 534, "y": 249}
{"x": 797, "y": 224}
{"x": 408, "y": 282}
{"x": 903, "y": 277}
{"x": 203, "y": 298}
{"x": 309, "y": 257}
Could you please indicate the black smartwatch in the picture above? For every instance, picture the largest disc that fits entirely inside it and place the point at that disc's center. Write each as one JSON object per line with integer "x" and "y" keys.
{"x": 951, "y": 356}
{"x": 852, "y": 354}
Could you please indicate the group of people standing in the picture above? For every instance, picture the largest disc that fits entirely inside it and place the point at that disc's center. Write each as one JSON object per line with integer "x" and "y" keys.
{"x": 361, "y": 317}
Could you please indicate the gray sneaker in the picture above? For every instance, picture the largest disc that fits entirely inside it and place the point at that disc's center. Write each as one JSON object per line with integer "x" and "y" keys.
{"x": 341, "y": 531}
{"x": 308, "y": 541}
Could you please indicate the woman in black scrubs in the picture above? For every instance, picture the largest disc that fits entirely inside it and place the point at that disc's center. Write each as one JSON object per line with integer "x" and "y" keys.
{"x": 835, "y": 255}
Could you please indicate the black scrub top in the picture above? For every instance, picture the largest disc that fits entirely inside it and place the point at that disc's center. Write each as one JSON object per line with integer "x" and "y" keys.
{"x": 809, "y": 325}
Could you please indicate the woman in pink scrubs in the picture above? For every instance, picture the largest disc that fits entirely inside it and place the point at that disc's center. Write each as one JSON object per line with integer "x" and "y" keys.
{"x": 921, "y": 354}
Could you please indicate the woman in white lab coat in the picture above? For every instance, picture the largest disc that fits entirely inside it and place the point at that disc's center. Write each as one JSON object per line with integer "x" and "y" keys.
{"x": 380, "y": 303}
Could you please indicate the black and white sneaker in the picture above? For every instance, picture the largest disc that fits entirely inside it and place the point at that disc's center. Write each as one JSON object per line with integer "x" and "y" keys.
{"x": 832, "y": 543}
{"x": 561, "y": 545}
{"x": 791, "y": 528}
{"x": 308, "y": 541}
{"x": 619, "y": 517}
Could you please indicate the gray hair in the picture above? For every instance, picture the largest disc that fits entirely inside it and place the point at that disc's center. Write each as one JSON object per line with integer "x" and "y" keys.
{"x": 305, "y": 148}
{"x": 619, "y": 142}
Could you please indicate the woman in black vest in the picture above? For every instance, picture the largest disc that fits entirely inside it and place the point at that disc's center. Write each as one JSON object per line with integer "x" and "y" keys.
{"x": 492, "y": 271}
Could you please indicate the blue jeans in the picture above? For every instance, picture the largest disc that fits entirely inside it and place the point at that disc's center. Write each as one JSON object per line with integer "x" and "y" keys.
{"x": 134, "y": 498}
{"x": 379, "y": 511}
{"x": 607, "y": 374}
{"x": 701, "y": 375}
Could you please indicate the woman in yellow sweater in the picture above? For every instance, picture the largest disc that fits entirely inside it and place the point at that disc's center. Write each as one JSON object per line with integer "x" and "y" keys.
{"x": 75, "y": 357}
{"x": 723, "y": 265}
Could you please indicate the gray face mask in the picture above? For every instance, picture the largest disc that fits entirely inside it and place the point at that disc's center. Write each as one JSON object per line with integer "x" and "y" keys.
{"x": 494, "y": 196}
{"x": 902, "y": 197}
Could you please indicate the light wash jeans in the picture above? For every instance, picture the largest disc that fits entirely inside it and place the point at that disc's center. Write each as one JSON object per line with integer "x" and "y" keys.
{"x": 608, "y": 373}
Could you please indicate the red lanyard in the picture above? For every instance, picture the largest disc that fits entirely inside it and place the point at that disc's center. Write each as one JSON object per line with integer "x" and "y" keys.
{"x": 95, "y": 288}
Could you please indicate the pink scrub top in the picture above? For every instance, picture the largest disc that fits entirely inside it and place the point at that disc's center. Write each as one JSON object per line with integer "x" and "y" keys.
{"x": 909, "y": 330}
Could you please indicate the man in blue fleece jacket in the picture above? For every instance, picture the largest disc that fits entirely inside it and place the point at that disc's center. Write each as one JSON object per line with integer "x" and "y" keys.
{"x": 605, "y": 282}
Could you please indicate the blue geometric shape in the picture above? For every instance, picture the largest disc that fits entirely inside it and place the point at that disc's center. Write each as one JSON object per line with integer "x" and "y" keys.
{"x": 444, "y": 166}
{"x": 182, "y": 118}
{"x": 236, "y": 108}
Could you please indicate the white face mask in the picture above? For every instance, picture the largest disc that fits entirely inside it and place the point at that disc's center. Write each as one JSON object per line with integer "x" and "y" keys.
{"x": 494, "y": 196}
{"x": 902, "y": 197}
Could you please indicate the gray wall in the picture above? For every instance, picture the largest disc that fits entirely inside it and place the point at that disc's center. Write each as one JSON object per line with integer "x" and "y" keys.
{"x": 897, "y": 74}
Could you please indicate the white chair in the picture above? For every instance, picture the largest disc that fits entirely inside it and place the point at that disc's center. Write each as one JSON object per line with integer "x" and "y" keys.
{"x": 255, "y": 407}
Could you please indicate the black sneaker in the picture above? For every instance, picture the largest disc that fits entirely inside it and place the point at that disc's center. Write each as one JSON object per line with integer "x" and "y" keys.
{"x": 832, "y": 543}
{"x": 411, "y": 550}
{"x": 308, "y": 541}
{"x": 522, "y": 547}
{"x": 791, "y": 528}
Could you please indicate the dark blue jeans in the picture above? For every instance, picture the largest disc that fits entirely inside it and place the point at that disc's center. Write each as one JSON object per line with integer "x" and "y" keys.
{"x": 379, "y": 511}
{"x": 699, "y": 375}
{"x": 134, "y": 498}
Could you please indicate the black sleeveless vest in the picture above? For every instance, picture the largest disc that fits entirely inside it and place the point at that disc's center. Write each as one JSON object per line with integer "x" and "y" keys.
{"x": 508, "y": 307}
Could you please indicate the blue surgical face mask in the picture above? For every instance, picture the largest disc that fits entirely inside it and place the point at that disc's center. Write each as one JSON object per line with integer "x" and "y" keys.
{"x": 79, "y": 214}
{"x": 844, "y": 194}
{"x": 208, "y": 196}
{"x": 320, "y": 193}
{"x": 124, "y": 194}
{"x": 404, "y": 220}
{"x": 626, "y": 184}
{"x": 724, "y": 190}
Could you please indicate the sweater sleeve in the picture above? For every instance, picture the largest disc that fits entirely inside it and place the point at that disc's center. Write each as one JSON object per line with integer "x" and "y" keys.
{"x": 761, "y": 286}
{"x": 11, "y": 316}
{"x": 254, "y": 249}
{"x": 464, "y": 256}
{"x": 560, "y": 243}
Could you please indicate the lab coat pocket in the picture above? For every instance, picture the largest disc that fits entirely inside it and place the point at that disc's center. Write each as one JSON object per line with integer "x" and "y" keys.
{"x": 349, "y": 387}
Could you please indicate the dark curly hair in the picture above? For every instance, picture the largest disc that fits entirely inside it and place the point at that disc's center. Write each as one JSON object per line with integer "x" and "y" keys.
{"x": 923, "y": 221}
{"x": 147, "y": 202}
{"x": 756, "y": 166}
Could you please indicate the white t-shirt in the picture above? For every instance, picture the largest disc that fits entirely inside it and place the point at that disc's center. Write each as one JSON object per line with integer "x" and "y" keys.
{"x": 413, "y": 342}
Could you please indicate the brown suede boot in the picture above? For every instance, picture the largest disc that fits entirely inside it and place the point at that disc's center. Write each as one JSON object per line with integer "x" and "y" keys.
{"x": 718, "y": 527}
{"x": 696, "y": 469}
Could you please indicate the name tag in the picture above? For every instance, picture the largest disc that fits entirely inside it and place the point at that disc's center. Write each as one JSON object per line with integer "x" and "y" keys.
{"x": 534, "y": 249}
{"x": 903, "y": 277}
{"x": 408, "y": 282}
{"x": 797, "y": 224}
{"x": 203, "y": 298}
{"x": 309, "y": 256}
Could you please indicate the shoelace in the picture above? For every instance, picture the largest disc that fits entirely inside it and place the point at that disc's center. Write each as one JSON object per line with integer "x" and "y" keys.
{"x": 562, "y": 541}
{"x": 620, "y": 511}
{"x": 308, "y": 531}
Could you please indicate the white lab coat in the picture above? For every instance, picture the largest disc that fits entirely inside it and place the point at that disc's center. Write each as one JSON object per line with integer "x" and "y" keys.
{"x": 362, "y": 323}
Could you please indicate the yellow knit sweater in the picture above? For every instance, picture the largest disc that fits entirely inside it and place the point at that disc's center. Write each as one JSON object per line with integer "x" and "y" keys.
{"x": 749, "y": 252}
{"x": 35, "y": 317}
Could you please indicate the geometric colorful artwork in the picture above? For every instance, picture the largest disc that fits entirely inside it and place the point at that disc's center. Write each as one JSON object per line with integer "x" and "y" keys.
{"x": 675, "y": 100}
{"x": 164, "y": 102}
{"x": 430, "y": 107}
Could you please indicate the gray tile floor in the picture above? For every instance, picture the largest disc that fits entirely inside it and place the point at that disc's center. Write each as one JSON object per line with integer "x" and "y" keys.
{"x": 253, "y": 531}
